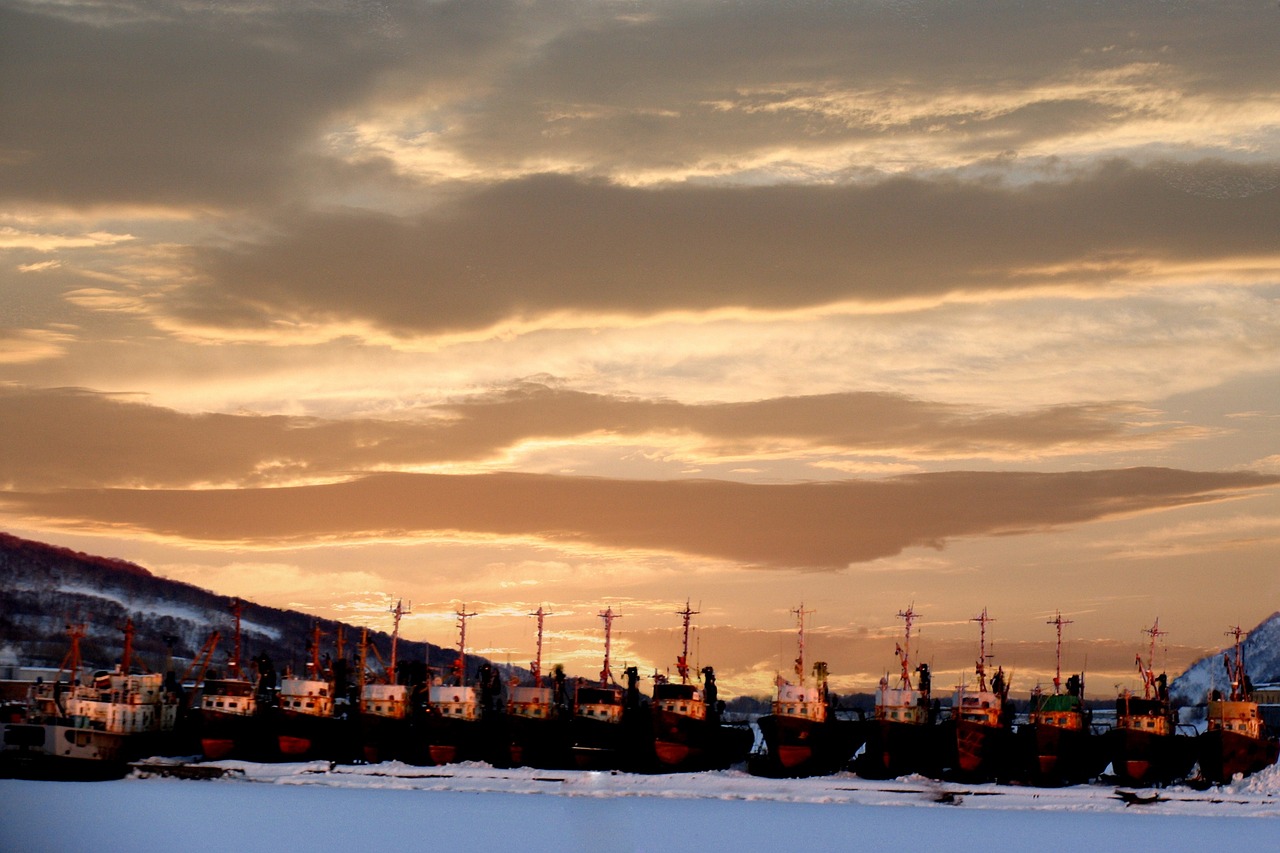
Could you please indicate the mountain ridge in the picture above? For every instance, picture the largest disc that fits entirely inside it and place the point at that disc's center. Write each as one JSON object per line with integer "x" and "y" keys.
{"x": 47, "y": 588}
{"x": 1261, "y": 650}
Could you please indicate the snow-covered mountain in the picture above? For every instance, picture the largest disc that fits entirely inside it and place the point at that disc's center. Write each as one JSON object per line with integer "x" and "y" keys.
{"x": 44, "y": 588}
{"x": 1261, "y": 659}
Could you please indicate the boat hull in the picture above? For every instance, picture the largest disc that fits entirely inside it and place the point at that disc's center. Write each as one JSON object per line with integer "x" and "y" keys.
{"x": 1146, "y": 758}
{"x": 598, "y": 744}
{"x": 896, "y": 749}
{"x": 58, "y": 751}
{"x": 239, "y": 736}
{"x": 440, "y": 740}
{"x": 306, "y": 737}
{"x": 796, "y": 746}
{"x": 682, "y": 743}
{"x": 1224, "y": 754}
{"x": 982, "y": 752}
{"x": 383, "y": 738}
{"x": 538, "y": 742}
{"x": 1055, "y": 755}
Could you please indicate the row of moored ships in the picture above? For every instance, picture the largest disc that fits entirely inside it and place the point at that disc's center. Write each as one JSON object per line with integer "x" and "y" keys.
{"x": 336, "y": 711}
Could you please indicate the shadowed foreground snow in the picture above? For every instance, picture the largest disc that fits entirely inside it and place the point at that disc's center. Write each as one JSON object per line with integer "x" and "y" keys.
{"x": 475, "y": 807}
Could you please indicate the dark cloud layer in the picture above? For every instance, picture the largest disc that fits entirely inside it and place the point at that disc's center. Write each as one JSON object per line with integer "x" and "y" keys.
{"x": 56, "y": 438}
{"x": 170, "y": 106}
{"x": 169, "y": 103}
{"x": 530, "y": 249}
{"x": 695, "y": 82}
{"x": 804, "y": 525}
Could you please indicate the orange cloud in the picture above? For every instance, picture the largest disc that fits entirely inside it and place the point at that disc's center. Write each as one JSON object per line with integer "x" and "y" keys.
{"x": 801, "y": 526}
{"x": 69, "y": 437}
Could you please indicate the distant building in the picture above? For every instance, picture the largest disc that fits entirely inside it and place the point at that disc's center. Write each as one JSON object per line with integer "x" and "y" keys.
{"x": 1268, "y": 698}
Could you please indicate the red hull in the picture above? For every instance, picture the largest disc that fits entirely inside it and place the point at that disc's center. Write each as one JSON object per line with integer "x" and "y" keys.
{"x": 217, "y": 748}
{"x": 293, "y": 746}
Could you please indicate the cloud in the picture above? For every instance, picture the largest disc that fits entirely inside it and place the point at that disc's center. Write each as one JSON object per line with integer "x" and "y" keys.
{"x": 801, "y": 525}
{"x": 715, "y": 88}
{"x": 69, "y": 437}
{"x": 23, "y": 346}
{"x": 173, "y": 105}
{"x": 15, "y": 238}
{"x": 553, "y": 251}
{"x": 39, "y": 267}
{"x": 170, "y": 104}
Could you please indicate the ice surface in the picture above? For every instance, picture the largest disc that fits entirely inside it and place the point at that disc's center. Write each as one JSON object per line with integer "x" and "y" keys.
{"x": 392, "y": 806}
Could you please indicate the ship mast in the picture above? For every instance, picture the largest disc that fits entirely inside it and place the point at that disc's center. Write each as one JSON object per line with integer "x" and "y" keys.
{"x": 461, "y": 666}
{"x": 1057, "y": 673}
{"x": 608, "y": 616}
{"x": 126, "y": 659}
{"x": 536, "y": 665}
{"x": 981, "y": 667}
{"x": 1235, "y": 671}
{"x": 396, "y": 612}
{"x": 800, "y": 613}
{"x": 1148, "y": 675}
{"x": 71, "y": 662}
{"x": 904, "y": 652}
{"x": 234, "y": 664}
{"x": 682, "y": 664}
{"x": 315, "y": 651}
{"x": 364, "y": 659}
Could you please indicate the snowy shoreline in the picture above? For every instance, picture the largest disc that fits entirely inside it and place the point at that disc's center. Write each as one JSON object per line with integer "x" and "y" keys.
{"x": 292, "y": 806}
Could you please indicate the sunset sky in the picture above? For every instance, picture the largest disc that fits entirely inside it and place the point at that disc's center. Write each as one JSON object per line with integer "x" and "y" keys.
{"x": 618, "y": 303}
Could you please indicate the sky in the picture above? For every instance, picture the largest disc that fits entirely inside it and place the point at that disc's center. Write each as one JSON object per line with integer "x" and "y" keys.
{"x": 760, "y": 306}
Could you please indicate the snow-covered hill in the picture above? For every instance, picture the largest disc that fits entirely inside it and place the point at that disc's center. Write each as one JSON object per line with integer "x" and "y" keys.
{"x": 1261, "y": 658}
{"x": 43, "y": 588}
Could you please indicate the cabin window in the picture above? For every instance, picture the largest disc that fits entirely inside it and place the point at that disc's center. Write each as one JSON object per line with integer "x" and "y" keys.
{"x": 311, "y": 704}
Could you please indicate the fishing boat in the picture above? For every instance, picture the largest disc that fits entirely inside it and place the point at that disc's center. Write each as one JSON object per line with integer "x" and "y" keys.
{"x": 687, "y": 730}
{"x": 982, "y": 720}
{"x": 1145, "y": 747}
{"x": 801, "y": 735}
{"x": 383, "y": 710}
{"x": 1057, "y": 743}
{"x": 1236, "y": 741}
{"x": 902, "y": 736}
{"x": 536, "y": 733}
{"x": 227, "y": 719}
{"x": 309, "y": 723}
{"x": 597, "y": 734}
{"x": 449, "y": 729}
{"x": 91, "y": 727}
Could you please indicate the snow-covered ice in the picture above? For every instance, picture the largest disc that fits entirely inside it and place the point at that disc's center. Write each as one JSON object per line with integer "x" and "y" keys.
{"x": 285, "y": 807}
